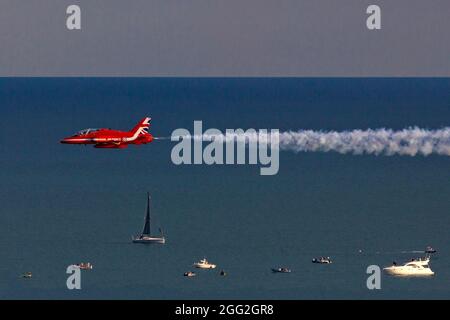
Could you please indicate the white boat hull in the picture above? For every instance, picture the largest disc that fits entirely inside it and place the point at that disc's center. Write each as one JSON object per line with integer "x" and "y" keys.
{"x": 205, "y": 266}
{"x": 157, "y": 240}
{"x": 407, "y": 271}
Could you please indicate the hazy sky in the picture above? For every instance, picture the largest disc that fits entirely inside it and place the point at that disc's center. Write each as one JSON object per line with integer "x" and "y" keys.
{"x": 225, "y": 38}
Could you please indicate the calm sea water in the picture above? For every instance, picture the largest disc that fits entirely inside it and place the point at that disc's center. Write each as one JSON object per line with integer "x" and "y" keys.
{"x": 65, "y": 204}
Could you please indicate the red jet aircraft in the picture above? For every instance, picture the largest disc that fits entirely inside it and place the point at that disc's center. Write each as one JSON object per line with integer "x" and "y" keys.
{"x": 107, "y": 138}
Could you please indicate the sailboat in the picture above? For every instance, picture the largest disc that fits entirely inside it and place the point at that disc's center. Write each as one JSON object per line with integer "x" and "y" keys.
{"x": 145, "y": 236}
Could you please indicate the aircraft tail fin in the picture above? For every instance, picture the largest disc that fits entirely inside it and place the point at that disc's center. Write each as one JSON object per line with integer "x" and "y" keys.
{"x": 142, "y": 126}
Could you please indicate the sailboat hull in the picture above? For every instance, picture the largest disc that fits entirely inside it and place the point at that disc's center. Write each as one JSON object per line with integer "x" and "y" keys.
{"x": 149, "y": 240}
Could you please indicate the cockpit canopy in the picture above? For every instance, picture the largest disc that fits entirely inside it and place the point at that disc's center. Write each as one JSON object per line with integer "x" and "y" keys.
{"x": 86, "y": 131}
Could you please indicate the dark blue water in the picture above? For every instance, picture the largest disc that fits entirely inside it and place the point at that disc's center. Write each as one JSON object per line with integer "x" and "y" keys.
{"x": 63, "y": 204}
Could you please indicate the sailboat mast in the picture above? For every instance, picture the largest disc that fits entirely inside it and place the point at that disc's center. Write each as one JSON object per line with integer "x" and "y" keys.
{"x": 146, "y": 229}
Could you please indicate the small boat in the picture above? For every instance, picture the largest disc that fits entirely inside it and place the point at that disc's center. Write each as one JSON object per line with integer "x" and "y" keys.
{"x": 322, "y": 260}
{"x": 145, "y": 236}
{"x": 415, "y": 267}
{"x": 222, "y": 273}
{"x": 281, "y": 270}
{"x": 429, "y": 249}
{"x": 84, "y": 266}
{"x": 189, "y": 274}
{"x": 204, "y": 264}
{"x": 27, "y": 275}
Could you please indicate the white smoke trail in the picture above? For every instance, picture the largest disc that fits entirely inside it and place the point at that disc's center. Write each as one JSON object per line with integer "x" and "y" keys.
{"x": 161, "y": 138}
{"x": 410, "y": 141}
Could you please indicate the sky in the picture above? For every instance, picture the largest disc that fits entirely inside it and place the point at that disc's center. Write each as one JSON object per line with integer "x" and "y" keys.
{"x": 224, "y": 38}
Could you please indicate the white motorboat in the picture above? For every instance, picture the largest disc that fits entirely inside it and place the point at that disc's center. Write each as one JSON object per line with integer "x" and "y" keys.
{"x": 84, "y": 266}
{"x": 429, "y": 250}
{"x": 145, "y": 236}
{"x": 322, "y": 260}
{"x": 281, "y": 270}
{"x": 204, "y": 264}
{"x": 415, "y": 267}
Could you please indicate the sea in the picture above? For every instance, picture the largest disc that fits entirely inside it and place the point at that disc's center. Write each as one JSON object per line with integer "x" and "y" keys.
{"x": 66, "y": 204}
